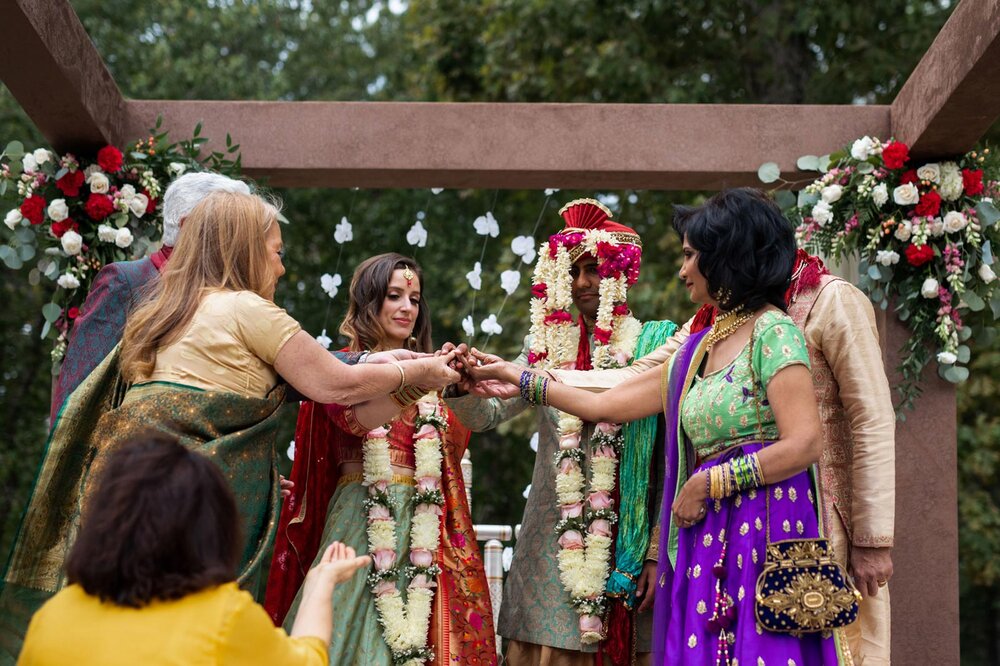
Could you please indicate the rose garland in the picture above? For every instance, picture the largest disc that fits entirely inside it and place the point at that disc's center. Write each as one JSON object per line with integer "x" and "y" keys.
{"x": 584, "y": 561}
{"x": 925, "y": 235}
{"x": 406, "y": 623}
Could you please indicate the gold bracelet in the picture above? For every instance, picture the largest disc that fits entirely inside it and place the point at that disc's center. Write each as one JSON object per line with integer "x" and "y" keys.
{"x": 402, "y": 374}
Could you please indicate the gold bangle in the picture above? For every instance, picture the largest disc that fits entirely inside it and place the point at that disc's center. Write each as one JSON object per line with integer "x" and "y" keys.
{"x": 402, "y": 374}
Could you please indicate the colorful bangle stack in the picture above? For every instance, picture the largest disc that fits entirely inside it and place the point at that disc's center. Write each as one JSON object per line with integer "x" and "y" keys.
{"x": 534, "y": 389}
{"x": 740, "y": 473}
{"x": 407, "y": 395}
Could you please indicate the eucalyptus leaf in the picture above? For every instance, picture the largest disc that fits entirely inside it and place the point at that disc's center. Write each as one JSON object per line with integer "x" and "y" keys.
{"x": 824, "y": 163}
{"x": 987, "y": 253}
{"x": 120, "y": 219}
{"x": 26, "y": 252}
{"x": 963, "y": 354}
{"x": 46, "y": 327}
{"x": 62, "y": 172}
{"x": 12, "y": 260}
{"x": 51, "y": 312}
{"x": 784, "y": 199}
{"x": 807, "y": 199}
{"x": 995, "y": 304}
{"x": 3, "y": 187}
{"x": 865, "y": 167}
{"x": 874, "y": 272}
{"x": 877, "y": 295}
{"x": 903, "y": 314}
{"x": 769, "y": 172}
{"x": 964, "y": 333}
{"x": 973, "y": 300}
{"x": 808, "y": 163}
{"x": 25, "y": 235}
{"x": 884, "y": 304}
{"x": 956, "y": 374}
{"x": 14, "y": 150}
{"x": 34, "y": 277}
{"x": 988, "y": 213}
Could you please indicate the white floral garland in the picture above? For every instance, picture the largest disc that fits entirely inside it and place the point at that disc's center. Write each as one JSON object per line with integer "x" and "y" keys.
{"x": 406, "y": 623}
{"x": 584, "y": 561}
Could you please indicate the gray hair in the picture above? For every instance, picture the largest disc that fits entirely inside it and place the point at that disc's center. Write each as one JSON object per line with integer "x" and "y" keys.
{"x": 186, "y": 192}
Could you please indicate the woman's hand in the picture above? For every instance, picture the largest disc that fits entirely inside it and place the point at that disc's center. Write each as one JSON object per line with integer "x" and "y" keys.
{"x": 483, "y": 367}
{"x": 285, "y": 485}
{"x": 433, "y": 372}
{"x": 315, "y": 616}
{"x": 391, "y": 355}
{"x": 689, "y": 507}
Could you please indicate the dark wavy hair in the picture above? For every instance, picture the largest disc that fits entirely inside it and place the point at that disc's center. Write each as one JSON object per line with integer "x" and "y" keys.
{"x": 161, "y": 524}
{"x": 746, "y": 247}
{"x": 369, "y": 287}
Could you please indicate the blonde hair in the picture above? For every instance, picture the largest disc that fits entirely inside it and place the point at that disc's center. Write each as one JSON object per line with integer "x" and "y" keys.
{"x": 222, "y": 247}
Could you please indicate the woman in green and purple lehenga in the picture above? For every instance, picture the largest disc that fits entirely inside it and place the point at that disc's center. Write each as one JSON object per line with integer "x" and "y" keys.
{"x": 742, "y": 426}
{"x": 202, "y": 360}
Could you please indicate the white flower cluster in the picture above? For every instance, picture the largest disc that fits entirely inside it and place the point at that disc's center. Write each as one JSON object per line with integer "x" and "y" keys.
{"x": 556, "y": 341}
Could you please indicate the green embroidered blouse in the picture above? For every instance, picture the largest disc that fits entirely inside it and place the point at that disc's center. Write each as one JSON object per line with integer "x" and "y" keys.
{"x": 719, "y": 412}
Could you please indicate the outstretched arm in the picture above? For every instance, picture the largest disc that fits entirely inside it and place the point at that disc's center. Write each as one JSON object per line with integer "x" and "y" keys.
{"x": 633, "y": 399}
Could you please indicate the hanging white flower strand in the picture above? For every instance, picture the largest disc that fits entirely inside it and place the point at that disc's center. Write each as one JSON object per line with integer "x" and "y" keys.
{"x": 343, "y": 233}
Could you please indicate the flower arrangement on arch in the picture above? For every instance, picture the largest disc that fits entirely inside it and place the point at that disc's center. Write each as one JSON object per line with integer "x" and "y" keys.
{"x": 924, "y": 233}
{"x": 72, "y": 214}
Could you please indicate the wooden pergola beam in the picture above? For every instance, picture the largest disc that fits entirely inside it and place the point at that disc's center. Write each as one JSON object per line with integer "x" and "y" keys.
{"x": 513, "y": 146}
{"x": 49, "y": 64}
{"x": 953, "y": 96}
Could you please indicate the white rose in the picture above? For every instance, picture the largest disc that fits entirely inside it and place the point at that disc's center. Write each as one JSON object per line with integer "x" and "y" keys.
{"x": 98, "y": 182}
{"x": 41, "y": 156}
{"x": 127, "y": 192}
{"x": 176, "y": 168}
{"x": 91, "y": 170}
{"x": 72, "y": 242}
{"x": 951, "y": 182}
{"x": 929, "y": 289}
{"x": 123, "y": 237}
{"x": 106, "y": 234}
{"x": 904, "y": 231}
{"x": 946, "y": 358}
{"x": 821, "y": 213}
{"x": 831, "y": 193}
{"x": 886, "y": 257}
{"x": 68, "y": 281}
{"x": 13, "y": 219}
{"x": 58, "y": 210}
{"x": 936, "y": 227}
{"x": 880, "y": 194}
{"x": 138, "y": 204}
{"x": 931, "y": 172}
{"x": 906, "y": 195}
{"x": 29, "y": 163}
{"x": 862, "y": 148}
{"x": 986, "y": 273}
{"x": 955, "y": 221}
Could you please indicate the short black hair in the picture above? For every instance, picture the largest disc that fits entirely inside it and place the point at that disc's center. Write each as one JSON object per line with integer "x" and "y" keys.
{"x": 746, "y": 247}
{"x": 161, "y": 524}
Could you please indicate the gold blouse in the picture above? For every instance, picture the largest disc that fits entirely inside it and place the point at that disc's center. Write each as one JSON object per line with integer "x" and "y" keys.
{"x": 230, "y": 345}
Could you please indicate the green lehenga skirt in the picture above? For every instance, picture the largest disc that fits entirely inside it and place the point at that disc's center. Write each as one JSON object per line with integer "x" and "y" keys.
{"x": 357, "y": 635}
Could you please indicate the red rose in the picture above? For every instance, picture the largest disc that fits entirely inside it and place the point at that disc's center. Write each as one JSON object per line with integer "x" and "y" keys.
{"x": 895, "y": 155}
{"x": 929, "y": 204}
{"x": 33, "y": 208}
{"x": 972, "y": 179}
{"x": 540, "y": 290}
{"x": 602, "y": 335}
{"x": 73, "y": 313}
{"x": 909, "y": 177}
{"x": 99, "y": 206}
{"x": 70, "y": 183}
{"x": 59, "y": 228}
{"x": 110, "y": 159}
{"x": 918, "y": 255}
{"x": 151, "y": 202}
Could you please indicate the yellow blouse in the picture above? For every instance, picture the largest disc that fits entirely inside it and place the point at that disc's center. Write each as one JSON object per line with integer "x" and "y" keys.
{"x": 230, "y": 345}
{"x": 220, "y": 625}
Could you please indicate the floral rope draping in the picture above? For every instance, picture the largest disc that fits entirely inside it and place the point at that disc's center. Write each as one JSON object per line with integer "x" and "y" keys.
{"x": 71, "y": 215}
{"x": 924, "y": 233}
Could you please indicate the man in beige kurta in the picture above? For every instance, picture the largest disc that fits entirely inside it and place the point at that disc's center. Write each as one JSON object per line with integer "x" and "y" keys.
{"x": 857, "y": 468}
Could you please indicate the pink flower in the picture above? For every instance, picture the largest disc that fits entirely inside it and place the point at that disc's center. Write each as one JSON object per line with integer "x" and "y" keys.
{"x": 600, "y": 527}
{"x": 381, "y": 485}
{"x": 571, "y": 540}
{"x": 421, "y": 557}
{"x": 591, "y": 623}
{"x": 422, "y": 582}
{"x": 476, "y": 620}
{"x": 620, "y": 357}
{"x": 378, "y": 512}
{"x": 427, "y": 483}
{"x": 574, "y": 510}
{"x": 427, "y": 508}
{"x": 378, "y": 433}
{"x": 384, "y": 559}
{"x": 605, "y": 451}
{"x": 426, "y": 408}
{"x": 600, "y": 500}
{"x": 458, "y": 540}
{"x": 427, "y": 431}
{"x": 608, "y": 428}
{"x": 567, "y": 465}
{"x": 570, "y": 441}
{"x": 385, "y": 587}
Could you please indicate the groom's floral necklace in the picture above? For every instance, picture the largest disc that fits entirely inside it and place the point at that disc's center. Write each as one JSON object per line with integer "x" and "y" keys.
{"x": 586, "y": 526}
{"x": 406, "y": 623}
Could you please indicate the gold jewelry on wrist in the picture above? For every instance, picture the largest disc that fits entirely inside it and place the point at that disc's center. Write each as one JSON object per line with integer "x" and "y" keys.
{"x": 402, "y": 374}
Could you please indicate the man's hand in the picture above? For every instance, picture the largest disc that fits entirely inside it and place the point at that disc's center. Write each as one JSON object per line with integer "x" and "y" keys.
{"x": 871, "y": 568}
{"x": 492, "y": 388}
{"x": 285, "y": 485}
{"x": 393, "y": 355}
{"x": 646, "y": 586}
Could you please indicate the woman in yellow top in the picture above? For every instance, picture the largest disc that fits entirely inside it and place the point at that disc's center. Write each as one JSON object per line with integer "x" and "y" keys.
{"x": 201, "y": 359}
{"x": 152, "y": 575}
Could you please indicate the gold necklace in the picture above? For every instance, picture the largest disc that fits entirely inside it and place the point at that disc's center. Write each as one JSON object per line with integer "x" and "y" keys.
{"x": 726, "y": 324}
